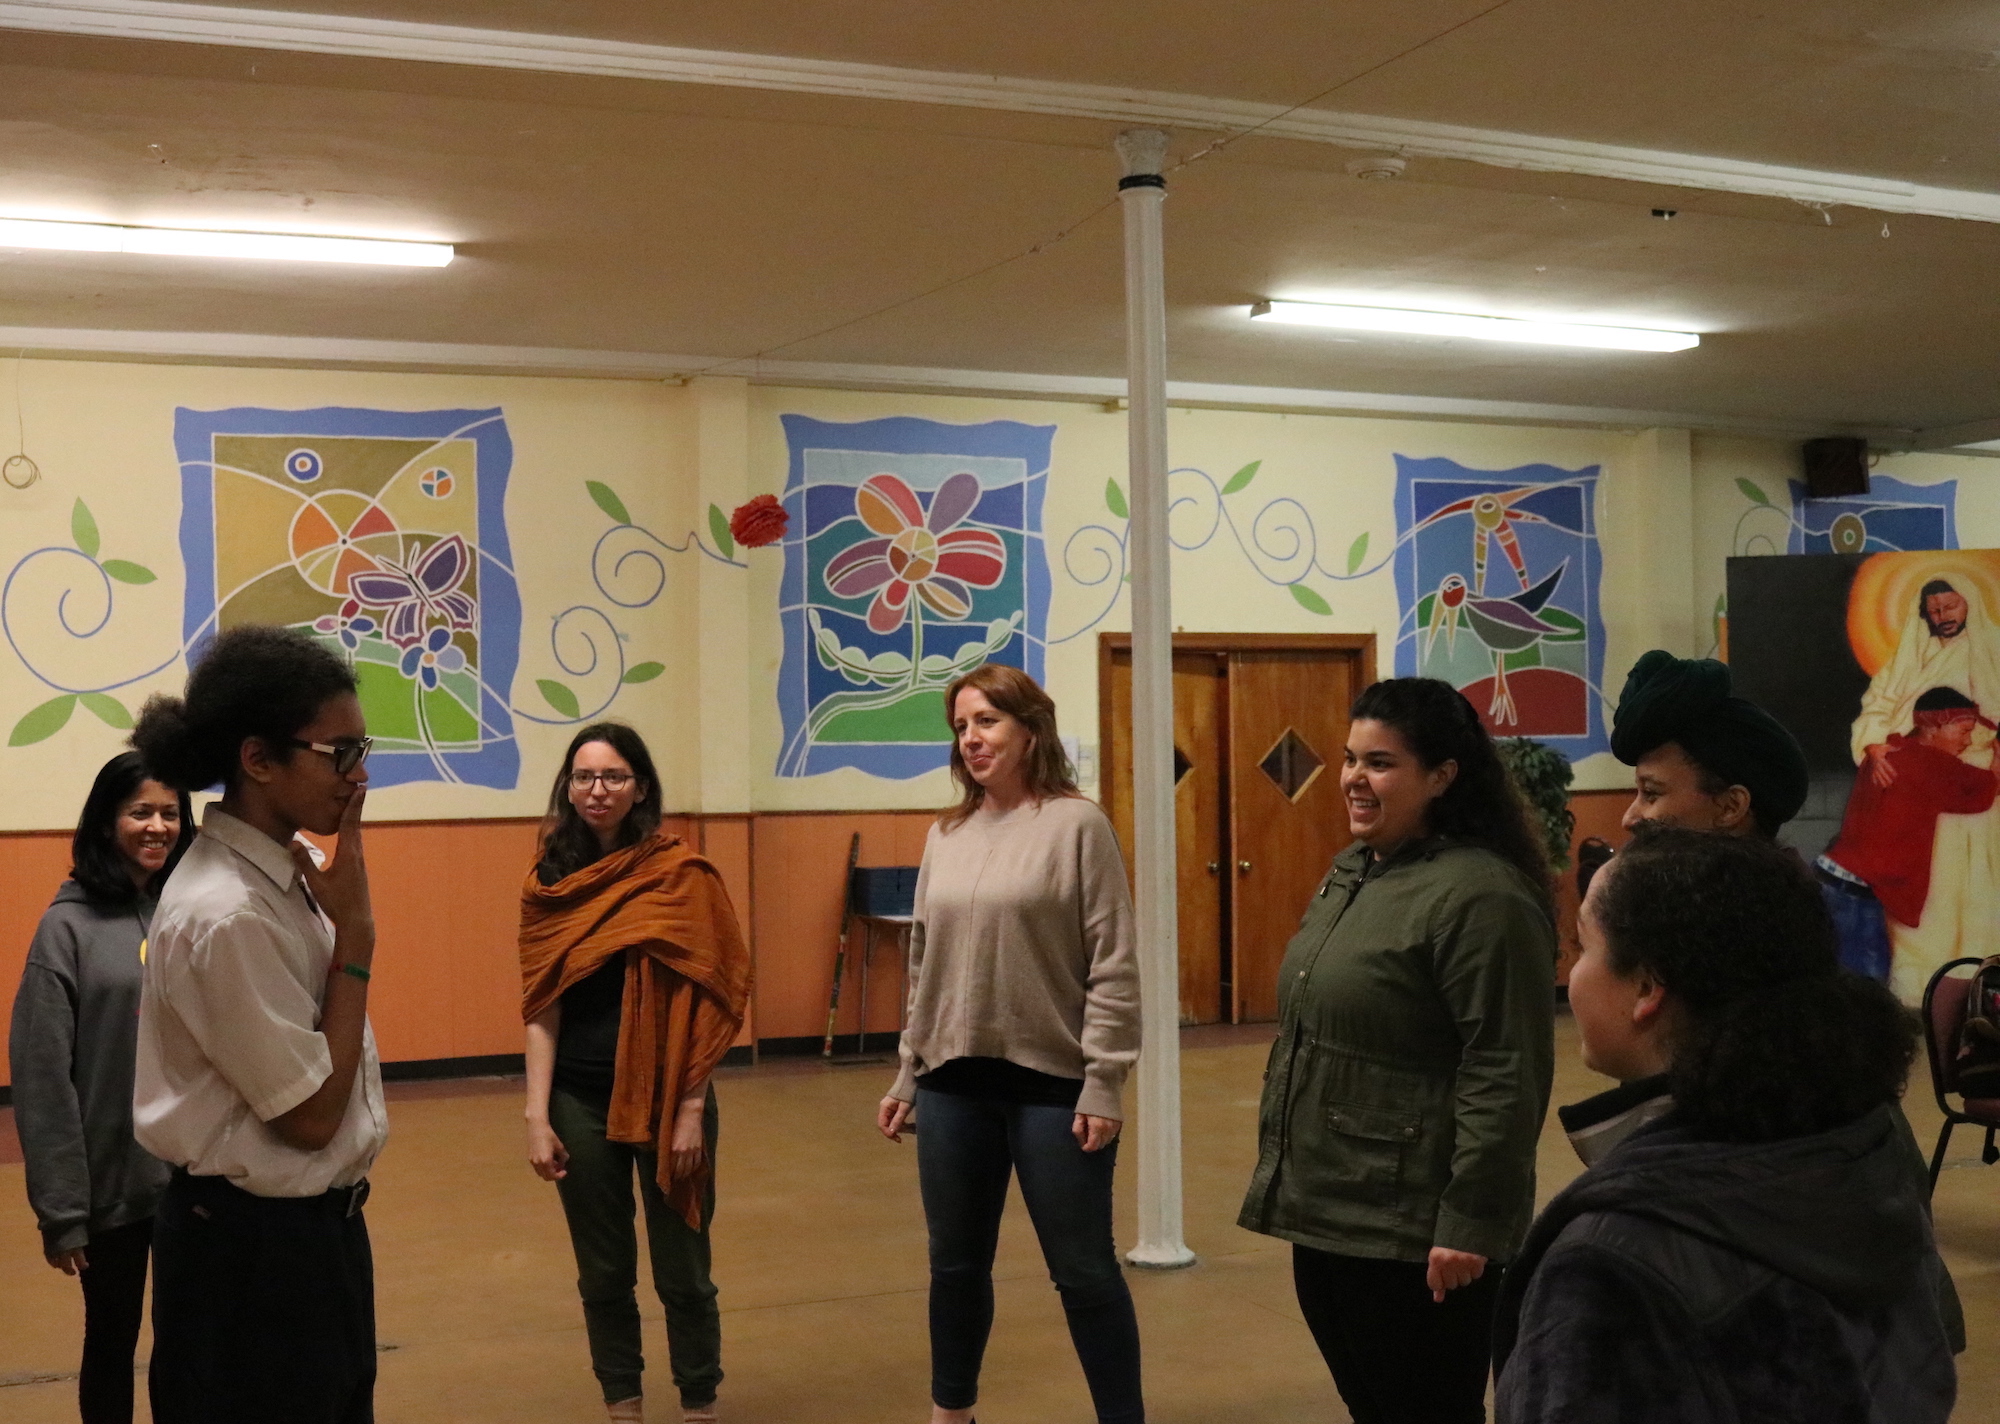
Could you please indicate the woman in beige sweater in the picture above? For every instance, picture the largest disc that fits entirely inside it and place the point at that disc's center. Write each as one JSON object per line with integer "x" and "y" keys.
{"x": 1024, "y": 1020}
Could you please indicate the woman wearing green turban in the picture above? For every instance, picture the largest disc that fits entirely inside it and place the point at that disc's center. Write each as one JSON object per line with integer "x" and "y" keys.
{"x": 1706, "y": 760}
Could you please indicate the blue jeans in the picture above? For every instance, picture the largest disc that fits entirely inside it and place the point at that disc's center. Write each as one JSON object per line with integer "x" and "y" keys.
{"x": 966, "y": 1150}
{"x": 1861, "y": 925}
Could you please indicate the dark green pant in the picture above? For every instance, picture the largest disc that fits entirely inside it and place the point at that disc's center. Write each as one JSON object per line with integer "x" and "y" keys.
{"x": 597, "y": 1200}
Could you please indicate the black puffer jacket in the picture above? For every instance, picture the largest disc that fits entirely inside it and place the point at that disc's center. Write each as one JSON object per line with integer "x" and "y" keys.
{"x": 1683, "y": 1281}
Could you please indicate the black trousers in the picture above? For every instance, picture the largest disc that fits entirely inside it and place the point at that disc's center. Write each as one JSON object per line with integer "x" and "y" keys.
{"x": 1397, "y": 1356}
{"x": 263, "y": 1308}
{"x": 114, "y": 1304}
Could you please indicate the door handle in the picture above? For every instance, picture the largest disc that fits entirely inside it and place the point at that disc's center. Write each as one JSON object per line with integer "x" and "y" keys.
{"x": 1213, "y": 867}
{"x": 1243, "y": 867}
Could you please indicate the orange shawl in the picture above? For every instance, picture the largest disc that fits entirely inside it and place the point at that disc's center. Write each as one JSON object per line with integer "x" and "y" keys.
{"x": 687, "y": 979}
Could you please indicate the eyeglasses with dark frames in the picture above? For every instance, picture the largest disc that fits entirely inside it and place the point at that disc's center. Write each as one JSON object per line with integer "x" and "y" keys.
{"x": 346, "y": 755}
{"x": 614, "y": 781}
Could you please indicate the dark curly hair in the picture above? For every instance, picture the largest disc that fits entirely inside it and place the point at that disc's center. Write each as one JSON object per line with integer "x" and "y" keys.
{"x": 568, "y": 845}
{"x": 252, "y": 681}
{"x": 1772, "y": 1039}
{"x": 95, "y": 861}
{"x": 1482, "y": 805}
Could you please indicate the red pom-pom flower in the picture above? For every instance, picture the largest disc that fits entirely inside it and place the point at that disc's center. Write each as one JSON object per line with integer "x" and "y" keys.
{"x": 762, "y": 521}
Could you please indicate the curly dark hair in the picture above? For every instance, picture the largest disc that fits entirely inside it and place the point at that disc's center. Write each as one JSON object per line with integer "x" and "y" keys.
{"x": 95, "y": 861}
{"x": 254, "y": 680}
{"x": 568, "y": 845}
{"x": 1482, "y": 805}
{"x": 1773, "y": 1038}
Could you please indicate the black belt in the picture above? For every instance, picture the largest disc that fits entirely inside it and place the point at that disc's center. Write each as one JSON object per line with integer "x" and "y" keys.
{"x": 343, "y": 1201}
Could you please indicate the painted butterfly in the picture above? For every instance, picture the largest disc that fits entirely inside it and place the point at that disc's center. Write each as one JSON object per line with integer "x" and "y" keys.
{"x": 426, "y": 588}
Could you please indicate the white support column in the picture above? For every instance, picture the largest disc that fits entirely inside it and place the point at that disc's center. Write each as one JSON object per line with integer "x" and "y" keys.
{"x": 1142, "y": 191}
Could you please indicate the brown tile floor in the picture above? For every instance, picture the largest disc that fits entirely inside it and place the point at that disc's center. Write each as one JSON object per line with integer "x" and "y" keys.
{"x": 819, "y": 1252}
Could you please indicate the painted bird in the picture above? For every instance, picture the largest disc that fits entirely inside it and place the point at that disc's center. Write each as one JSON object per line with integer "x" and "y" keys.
{"x": 1502, "y": 625}
{"x": 1493, "y": 519}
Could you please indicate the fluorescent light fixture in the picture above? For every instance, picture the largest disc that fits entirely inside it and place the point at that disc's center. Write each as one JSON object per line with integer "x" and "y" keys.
{"x": 200, "y": 242}
{"x": 1479, "y": 328}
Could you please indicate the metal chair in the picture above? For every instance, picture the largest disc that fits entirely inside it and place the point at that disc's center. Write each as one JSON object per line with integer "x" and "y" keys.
{"x": 1944, "y": 1014}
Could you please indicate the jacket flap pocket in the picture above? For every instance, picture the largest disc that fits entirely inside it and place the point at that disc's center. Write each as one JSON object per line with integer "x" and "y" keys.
{"x": 1378, "y": 1124}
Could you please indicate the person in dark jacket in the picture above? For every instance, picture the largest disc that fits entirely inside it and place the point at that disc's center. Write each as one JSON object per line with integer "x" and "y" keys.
{"x": 1758, "y": 1245}
{"x": 1411, "y": 1071}
{"x": 71, "y": 1048}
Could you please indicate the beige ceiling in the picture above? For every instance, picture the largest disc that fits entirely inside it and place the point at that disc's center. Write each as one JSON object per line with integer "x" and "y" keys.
{"x": 612, "y": 214}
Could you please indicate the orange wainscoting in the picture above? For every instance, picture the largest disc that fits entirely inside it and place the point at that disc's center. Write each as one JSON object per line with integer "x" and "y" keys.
{"x": 446, "y": 897}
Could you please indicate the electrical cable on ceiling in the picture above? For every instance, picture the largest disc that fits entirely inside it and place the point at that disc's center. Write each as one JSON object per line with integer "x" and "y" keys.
{"x": 1062, "y": 234}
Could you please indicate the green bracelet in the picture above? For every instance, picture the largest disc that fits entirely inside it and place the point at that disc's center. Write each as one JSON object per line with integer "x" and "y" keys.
{"x": 356, "y": 970}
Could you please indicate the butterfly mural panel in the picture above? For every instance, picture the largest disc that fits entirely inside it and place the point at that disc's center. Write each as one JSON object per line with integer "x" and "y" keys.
{"x": 383, "y": 534}
{"x": 1497, "y": 579}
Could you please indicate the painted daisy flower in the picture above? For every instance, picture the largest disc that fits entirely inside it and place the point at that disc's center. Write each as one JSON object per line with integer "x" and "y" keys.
{"x": 925, "y": 554}
{"x": 435, "y": 654}
{"x": 350, "y": 625}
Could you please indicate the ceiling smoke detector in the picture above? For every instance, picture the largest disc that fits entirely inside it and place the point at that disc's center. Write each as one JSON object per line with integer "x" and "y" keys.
{"x": 1379, "y": 165}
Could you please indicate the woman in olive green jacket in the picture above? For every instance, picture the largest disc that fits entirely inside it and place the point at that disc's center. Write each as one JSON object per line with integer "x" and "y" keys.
{"x": 1406, "y": 1088}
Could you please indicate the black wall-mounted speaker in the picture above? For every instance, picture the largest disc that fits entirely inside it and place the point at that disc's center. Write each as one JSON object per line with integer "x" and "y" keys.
{"x": 1834, "y": 466}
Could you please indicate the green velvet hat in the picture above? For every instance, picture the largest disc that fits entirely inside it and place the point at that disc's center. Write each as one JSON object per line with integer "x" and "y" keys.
{"x": 1690, "y": 701}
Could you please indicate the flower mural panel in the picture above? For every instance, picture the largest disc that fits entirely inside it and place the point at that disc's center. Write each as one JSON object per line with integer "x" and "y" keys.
{"x": 915, "y": 554}
{"x": 383, "y": 534}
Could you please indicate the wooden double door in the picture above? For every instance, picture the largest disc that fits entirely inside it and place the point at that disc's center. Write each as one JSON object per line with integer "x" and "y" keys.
{"x": 1260, "y": 724}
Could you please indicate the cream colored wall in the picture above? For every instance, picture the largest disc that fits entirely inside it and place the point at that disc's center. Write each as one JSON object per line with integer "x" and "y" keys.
{"x": 1670, "y": 510}
{"x": 103, "y": 432}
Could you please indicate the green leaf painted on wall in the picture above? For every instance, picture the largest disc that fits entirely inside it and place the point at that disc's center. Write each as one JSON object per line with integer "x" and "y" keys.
{"x": 1241, "y": 479}
{"x": 1310, "y": 601}
{"x": 1114, "y": 500}
{"x": 718, "y": 530}
{"x": 125, "y": 571}
{"x": 1357, "y": 551}
{"x": 44, "y": 721}
{"x": 83, "y": 529}
{"x": 558, "y": 697}
{"x": 604, "y": 499}
{"x": 644, "y": 672}
{"x": 110, "y": 711}
{"x": 1754, "y": 492}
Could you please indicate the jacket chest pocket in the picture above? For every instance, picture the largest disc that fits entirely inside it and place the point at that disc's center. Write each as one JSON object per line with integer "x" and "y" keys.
{"x": 1367, "y": 1147}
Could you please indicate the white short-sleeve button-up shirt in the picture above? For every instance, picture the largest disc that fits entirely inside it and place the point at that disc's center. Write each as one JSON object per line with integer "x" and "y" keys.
{"x": 229, "y": 1038}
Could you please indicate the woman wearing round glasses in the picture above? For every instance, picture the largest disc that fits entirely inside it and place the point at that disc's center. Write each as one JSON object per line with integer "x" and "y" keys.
{"x": 256, "y": 1076}
{"x": 634, "y": 983}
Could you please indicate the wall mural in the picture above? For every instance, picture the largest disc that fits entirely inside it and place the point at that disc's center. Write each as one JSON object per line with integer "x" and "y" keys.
{"x": 56, "y": 598}
{"x": 1887, "y": 668}
{"x": 383, "y": 533}
{"x": 916, "y": 555}
{"x": 1497, "y": 575}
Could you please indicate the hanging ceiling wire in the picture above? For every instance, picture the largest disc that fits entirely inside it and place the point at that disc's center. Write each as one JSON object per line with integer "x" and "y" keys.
{"x": 19, "y": 471}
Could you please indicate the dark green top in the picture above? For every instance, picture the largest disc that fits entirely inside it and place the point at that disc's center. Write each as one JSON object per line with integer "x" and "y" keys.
{"x": 1405, "y": 1092}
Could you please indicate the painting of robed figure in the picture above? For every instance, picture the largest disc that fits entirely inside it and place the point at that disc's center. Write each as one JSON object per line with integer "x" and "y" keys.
{"x": 1887, "y": 668}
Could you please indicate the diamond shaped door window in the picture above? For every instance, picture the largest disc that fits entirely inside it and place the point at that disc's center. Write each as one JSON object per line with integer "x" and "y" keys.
{"x": 1291, "y": 764}
{"x": 1182, "y": 766}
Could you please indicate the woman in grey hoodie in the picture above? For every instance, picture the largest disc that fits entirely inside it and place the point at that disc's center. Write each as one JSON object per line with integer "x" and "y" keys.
{"x": 71, "y": 1048}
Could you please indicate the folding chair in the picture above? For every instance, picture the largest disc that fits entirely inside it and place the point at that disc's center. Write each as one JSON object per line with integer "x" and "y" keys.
{"x": 1944, "y": 1015}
